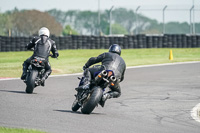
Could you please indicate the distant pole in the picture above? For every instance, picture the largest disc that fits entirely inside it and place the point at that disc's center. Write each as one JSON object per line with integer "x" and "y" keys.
{"x": 164, "y": 19}
{"x": 137, "y": 19}
{"x": 191, "y": 19}
{"x": 99, "y": 29}
{"x": 9, "y": 33}
{"x": 110, "y": 12}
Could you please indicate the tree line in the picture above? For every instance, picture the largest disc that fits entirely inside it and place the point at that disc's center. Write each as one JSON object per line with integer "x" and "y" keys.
{"x": 61, "y": 23}
{"x": 27, "y": 23}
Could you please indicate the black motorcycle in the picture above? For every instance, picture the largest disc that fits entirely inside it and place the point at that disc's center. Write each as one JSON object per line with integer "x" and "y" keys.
{"x": 35, "y": 72}
{"x": 88, "y": 99}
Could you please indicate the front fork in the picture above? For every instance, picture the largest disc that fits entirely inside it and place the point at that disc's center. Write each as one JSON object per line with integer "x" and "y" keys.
{"x": 82, "y": 95}
{"x": 40, "y": 76}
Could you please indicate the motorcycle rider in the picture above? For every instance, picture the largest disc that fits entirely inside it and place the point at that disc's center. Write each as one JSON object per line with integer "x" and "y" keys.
{"x": 42, "y": 46}
{"x": 111, "y": 61}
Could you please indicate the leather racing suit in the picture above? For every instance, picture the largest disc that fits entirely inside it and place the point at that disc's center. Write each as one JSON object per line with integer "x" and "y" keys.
{"x": 42, "y": 46}
{"x": 111, "y": 61}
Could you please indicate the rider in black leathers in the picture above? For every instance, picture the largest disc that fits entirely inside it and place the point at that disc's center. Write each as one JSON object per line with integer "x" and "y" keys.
{"x": 112, "y": 61}
{"x": 42, "y": 46}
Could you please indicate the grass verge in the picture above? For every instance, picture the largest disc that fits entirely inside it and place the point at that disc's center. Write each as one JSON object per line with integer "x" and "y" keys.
{"x": 71, "y": 61}
{"x": 15, "y": 130}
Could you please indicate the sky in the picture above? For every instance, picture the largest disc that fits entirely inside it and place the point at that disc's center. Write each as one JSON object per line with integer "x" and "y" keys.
{"x": 177, "y": 10}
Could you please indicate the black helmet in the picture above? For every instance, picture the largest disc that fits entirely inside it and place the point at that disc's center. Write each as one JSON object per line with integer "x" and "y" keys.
{"x": 115, "y": 48}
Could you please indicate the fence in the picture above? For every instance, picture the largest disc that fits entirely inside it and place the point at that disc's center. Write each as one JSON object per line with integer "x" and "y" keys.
{"x": 103, "y": 42}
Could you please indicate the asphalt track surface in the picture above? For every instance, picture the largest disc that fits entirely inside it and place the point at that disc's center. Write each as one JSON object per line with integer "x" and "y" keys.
{"x": 154, "y": 100}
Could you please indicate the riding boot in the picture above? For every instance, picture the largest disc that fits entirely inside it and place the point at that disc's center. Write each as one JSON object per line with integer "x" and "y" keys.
{"x": 104, "y": 98}
{"x": 46, "y": 75}
{"x": 25, "y": 67}
{"x": 43, "y": 82}
{"x": 114, "y": 93}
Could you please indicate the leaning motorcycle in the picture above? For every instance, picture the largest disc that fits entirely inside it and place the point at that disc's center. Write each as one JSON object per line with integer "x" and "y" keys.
{"x": 35, "y": 72}
{"x": 88, "y": 99}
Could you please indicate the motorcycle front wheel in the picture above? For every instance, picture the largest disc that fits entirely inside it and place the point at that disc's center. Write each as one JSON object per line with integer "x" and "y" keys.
{"x": 30, "y": 84}
{"x": 75, "y": 105}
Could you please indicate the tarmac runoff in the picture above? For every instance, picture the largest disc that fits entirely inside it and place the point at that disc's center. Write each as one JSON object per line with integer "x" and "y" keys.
{"x": 195, "y": 112}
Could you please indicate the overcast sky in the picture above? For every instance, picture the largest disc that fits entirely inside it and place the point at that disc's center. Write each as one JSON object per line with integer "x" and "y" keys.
{"x": 64, "y": 5}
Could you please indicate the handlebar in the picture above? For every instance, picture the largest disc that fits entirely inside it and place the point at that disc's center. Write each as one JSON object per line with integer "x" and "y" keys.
{"x": 32, "y": 49}
{"x": 53, "y": 56}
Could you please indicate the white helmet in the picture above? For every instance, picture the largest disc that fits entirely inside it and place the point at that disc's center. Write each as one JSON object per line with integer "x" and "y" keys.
{"x": 44, "y": 31}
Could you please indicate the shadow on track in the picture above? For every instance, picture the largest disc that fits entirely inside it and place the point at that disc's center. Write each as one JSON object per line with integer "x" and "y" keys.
{"x": 21, "y": 92}
{"x": 68, "y": 111}
{"x": 77, "y": 112}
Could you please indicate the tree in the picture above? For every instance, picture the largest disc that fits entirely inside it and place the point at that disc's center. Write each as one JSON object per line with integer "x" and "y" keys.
{"x": 27, "y": 23}
{"x": 85, "y": 22}
{"x": 177, "y": 28}
{"x": 5, "y": 24}
{"x": 69, "y": 31}
{"x": 118, "y": 29}
{"x": 152, "y": 27}
{"x": 125, "y": 17}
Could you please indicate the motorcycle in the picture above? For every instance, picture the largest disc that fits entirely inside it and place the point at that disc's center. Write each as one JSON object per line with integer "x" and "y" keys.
{"x": 35, "y": 72}
{"x": 88, "y": 99}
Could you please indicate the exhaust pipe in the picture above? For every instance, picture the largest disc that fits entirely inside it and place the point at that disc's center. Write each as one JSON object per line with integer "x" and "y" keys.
{"x": 113, "y": 79}
{"x": 104, "y": 73}
{"x": 100, "y": 76}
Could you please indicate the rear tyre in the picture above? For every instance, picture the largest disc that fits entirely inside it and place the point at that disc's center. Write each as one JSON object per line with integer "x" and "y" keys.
{"x": 92, "y": 101}
{"x": 30, "y": 84}
{"x": 75, "y": 105}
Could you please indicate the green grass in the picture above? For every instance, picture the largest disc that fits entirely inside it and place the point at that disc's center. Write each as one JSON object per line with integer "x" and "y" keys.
{"x": 71, "y": 61}
{"x": 15, "y": 130}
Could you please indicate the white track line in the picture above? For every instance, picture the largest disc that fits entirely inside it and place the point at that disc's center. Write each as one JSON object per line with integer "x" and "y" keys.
{"x": 165, "y": 64}
{"x": 142, "y": 66}
{"x": 195, "y": 113}
{"x": 9, "y": 79}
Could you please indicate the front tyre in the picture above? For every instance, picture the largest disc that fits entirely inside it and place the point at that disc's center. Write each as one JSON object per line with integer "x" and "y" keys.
{"x": 30, "y": 84}
{"x": 75, "y": 105}
{"x": 92, "y": 101}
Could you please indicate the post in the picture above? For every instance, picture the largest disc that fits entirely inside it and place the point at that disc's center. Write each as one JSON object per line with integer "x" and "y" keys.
{"x": 170, "y": 55}
{"x": 110, "y": 13}
{"x": 99, "y": 29}
{"x": 164, "y": 19}
{"x": 191, "y": 19}
{"x": 137, "y": 19}
{"x": 9, "y": 32}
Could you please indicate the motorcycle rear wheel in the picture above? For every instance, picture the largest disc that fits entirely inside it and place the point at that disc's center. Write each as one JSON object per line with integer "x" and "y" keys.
{"x": 30, "y": 84}
{"x": 92, "y": 101}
